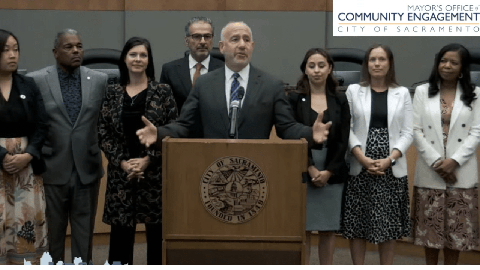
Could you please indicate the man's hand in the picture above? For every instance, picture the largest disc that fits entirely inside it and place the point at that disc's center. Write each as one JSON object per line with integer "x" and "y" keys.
{"x": 320, "y": 130}
{"x": 148, "y": 134}
{"x": 14, "y": 163}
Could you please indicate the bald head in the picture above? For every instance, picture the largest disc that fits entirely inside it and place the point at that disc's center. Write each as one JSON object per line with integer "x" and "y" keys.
{"x": 236, "y": 45}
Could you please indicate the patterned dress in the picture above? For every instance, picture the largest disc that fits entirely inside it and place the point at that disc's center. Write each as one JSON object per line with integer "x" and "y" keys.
{"x": 376, "y": 207}
{"x": 131, "y": 202}
{"x": 446, "y": 218}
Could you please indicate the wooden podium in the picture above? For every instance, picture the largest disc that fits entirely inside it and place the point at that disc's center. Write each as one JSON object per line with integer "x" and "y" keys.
{"x": 234, "y": 201}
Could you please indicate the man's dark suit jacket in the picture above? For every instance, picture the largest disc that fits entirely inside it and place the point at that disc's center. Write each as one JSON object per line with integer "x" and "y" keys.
{"x": 265, "y": 105}
{"x": 339, "y": 113}
{"x": 177, "y": 75}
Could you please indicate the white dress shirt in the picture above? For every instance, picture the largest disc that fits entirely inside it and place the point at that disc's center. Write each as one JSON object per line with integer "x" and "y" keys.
{"x": 192, "y": 64}
{"x": 242, "y": 79}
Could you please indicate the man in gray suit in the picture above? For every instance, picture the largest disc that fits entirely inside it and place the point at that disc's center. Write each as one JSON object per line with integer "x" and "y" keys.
{"x": 182, "y": 73}
{"x": 264, "y": 104}
{"x": 72, "y": 95}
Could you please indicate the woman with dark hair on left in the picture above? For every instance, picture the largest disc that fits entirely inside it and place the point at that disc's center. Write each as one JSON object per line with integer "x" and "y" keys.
{"x": 316, "y": 93}
{"x": 23, "y": 127}
{"x": 134, "y": 183}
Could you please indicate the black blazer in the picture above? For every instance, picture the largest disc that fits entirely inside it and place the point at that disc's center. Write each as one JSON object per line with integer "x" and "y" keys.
{"x": 36, "y": 120}
{"x": 339, "y": 113}
{"x": 177, "y": 75}
{"x": 264, "y": 105}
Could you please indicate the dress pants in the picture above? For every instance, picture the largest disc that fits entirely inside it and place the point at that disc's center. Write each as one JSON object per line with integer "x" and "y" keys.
{"x": 122, "y": 239}
{"x": 77, "y": 203}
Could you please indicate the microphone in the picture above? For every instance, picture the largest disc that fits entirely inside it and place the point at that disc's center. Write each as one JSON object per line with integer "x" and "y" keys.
{"x": 234, "y": 108}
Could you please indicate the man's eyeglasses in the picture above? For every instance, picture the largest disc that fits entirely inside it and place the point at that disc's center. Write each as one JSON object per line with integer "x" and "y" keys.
{"x": 198, "y": 37}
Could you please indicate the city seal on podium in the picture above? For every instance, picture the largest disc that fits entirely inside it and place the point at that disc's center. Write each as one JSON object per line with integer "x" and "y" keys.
{"x": 234, "y": 189}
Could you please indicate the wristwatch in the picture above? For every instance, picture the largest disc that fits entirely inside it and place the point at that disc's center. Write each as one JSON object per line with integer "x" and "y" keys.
{"x": 393, "y": 161}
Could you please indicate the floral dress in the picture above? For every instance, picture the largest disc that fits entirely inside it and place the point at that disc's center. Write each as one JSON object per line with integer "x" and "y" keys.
{"x": 446, "y": 218}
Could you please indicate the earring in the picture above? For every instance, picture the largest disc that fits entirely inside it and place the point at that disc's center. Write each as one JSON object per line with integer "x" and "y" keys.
{"x": 461, "y": 76}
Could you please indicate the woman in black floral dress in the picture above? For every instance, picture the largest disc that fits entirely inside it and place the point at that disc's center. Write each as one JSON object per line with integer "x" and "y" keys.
{"x": 134, "y": 184}
{"x": 376, "y": 205}
{"x": 447, "y": 132}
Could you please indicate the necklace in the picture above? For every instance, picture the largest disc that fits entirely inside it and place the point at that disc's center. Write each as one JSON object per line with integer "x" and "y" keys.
{"x": 133, "y": 100}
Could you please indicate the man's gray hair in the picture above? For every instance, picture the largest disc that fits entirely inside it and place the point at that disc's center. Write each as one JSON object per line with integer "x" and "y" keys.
{"x": 228, "y": 24}
{"x": 196, "y": 20}
{"x": 62, "y": 33}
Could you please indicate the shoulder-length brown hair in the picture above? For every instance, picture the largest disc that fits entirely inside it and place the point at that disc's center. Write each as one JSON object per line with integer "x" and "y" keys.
{"x": 390, "y": 79}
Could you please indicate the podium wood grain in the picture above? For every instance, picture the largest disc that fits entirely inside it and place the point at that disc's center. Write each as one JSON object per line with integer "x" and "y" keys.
{"x": 280, "y": 225}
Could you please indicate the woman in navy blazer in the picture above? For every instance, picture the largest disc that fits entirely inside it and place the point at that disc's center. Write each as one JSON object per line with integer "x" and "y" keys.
{"x": 316, "y": 93}
{"x": 23, "y": 127}
{"x": 376, "y": 205}
{"x": 447, "y": 132}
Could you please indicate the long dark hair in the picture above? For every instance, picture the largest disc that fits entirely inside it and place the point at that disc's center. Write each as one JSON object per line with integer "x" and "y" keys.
{"x": 465, "y": 81}
{"x": 303, "y": 85}
{"x": 390, "y": 79}
{"x": 4, "y": 35}
{"x": 132, "y": 42}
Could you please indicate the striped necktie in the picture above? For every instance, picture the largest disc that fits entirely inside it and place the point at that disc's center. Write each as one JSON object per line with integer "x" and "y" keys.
{"x": 234, "y": 88}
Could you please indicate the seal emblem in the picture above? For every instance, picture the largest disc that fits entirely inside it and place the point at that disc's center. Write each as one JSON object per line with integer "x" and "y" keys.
{"x": 233, "y": 189}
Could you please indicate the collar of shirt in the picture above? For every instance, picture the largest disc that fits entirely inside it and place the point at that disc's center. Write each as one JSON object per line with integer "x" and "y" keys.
{"x": 65, "y": 75}
{"x": 243, "y": 80}
{"x": 192, "y": 63}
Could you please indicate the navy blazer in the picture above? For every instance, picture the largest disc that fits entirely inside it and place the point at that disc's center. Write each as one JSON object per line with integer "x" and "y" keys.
{"x": 339, "y": 113}
{"x": 177, "y": 75}
{"x": 36, "y": 120}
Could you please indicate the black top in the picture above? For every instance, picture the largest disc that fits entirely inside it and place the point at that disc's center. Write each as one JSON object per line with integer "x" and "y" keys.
{"x": 71, "y": 87}
{"x": 26, "y": 95}
{"x": 379, "y": 115}
{"x": 13, "y": 117}
{"x": 133, "y": 109}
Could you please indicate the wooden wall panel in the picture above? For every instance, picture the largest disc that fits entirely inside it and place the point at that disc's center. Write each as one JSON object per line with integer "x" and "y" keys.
{"x": 277, "y": 5}
{"x": 81, "y": 5}
{"x": 178, "y": 5}
{"x": 175, "y": 5}
{"x": 329, "y": 5}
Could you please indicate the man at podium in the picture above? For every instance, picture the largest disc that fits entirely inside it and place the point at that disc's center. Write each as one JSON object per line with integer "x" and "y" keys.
{"x": 236, "y": 101}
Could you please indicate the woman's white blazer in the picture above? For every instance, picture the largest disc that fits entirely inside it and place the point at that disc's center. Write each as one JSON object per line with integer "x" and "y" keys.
{"x": 400, "y": 127}
{"x": 463, "y": 138}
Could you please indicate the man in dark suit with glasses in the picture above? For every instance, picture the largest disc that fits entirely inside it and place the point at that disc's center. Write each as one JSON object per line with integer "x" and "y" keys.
{"x": 182, "y": 73}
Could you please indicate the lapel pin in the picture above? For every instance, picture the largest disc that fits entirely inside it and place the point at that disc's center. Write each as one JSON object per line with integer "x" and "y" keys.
{"x": 303, "y": 99}
{"x": 22, "y": 96}
{"x": 88, "y": 78}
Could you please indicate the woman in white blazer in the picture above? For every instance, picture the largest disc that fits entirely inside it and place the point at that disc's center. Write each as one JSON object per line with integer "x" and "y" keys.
{"x": 446, "y": 134}
{"x": 376, "y": 205}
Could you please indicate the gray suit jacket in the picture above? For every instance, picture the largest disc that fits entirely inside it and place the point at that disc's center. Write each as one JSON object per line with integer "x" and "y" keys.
{"x": 67, "y": 146}
{"x": 265, "y": 105}
{"x": 177, "y": 75}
